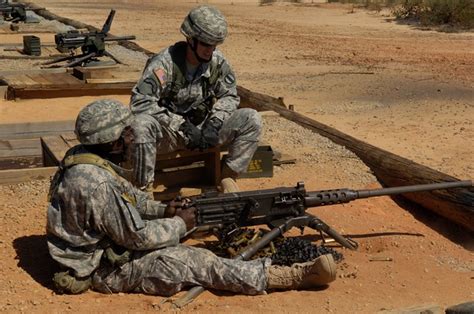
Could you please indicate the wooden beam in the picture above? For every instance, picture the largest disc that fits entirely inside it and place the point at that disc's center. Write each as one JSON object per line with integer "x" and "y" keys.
{"x": 68, "y": 90}
{"x": 54, "y": 149}
{"x": 20, "y": 153}
{"x": 35, "y": 129}
{"x": 456, "y": 205}
{"x": 14, "y": 176}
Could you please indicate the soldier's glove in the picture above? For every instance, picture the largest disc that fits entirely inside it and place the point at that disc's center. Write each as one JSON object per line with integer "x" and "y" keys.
{"x": 173, "y": 206}
{"x": 188, "y": 215}
{"x": 192, "y": 134}
{"x": 210, "y": 133}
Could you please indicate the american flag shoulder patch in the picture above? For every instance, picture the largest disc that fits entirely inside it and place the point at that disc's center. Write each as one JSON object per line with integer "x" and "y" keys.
{"x": 160, "y": 75}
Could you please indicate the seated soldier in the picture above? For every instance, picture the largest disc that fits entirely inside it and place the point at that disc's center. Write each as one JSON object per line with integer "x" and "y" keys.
{"x": 187, "y": 99}
{"x": 108, "y": 236}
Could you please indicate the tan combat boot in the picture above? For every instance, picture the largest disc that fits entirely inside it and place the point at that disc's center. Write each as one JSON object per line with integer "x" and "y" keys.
{"x": 318, "y": 272}
{"x": 228, "y": 185}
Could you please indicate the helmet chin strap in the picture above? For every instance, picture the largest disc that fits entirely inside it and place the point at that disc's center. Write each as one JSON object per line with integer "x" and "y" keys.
{"x": 193, "y": 46}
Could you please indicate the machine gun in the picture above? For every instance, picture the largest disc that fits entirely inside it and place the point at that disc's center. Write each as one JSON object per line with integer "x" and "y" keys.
{"x": 282, "y": 209}
{"x": 287, "y": 206}
{"x": 92, "y": 44}
{"x": 13, "y": 12}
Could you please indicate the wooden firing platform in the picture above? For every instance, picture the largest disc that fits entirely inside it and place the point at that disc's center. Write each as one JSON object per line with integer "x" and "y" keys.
{"x": 67, "y": 83}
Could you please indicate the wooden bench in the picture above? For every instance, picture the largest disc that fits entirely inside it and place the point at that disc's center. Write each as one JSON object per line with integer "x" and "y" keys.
{"x": 188, "y": 168}
{"x": 177, "y": 169}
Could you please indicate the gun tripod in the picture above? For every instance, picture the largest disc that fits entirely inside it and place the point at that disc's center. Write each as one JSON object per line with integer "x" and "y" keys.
{"x": 81, "y": 59}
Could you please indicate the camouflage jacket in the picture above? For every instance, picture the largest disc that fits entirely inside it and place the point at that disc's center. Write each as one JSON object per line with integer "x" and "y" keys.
{"x": 90, "y": 204}
{"x": 159, "y": 78}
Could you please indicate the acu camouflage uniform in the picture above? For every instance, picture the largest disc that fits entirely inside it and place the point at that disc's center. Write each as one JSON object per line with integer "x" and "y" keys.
{"x": 92, "y": 208}
{"x": 167, "y": 91}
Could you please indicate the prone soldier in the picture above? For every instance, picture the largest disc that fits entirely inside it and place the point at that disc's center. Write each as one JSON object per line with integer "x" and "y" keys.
{"x": 187, "y": 99}
{"x": 107, "y": 235}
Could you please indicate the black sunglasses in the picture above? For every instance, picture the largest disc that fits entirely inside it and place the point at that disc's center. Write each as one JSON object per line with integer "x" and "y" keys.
{"x": 205, "y": 44}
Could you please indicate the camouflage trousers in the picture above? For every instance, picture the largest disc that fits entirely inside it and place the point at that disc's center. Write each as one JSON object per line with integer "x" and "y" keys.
{"x": 167, "y": 271}
{"x": 240, "y": 132}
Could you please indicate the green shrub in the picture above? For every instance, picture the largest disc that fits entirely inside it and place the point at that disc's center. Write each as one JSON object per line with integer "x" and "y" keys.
{"x": 459, "y": 13}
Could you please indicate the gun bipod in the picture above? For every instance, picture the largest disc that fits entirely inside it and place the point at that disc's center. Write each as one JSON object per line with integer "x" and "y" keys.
{"x": 321, "y": 226}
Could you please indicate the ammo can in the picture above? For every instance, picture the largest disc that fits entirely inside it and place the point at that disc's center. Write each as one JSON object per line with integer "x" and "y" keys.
{"x": 31, "y": 45}
{"x": 261, "y": 164}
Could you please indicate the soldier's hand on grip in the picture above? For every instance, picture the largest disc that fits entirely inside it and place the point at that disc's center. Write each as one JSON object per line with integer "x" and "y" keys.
{"x": 170, "y": 210}
{"x": 188, "y": 215}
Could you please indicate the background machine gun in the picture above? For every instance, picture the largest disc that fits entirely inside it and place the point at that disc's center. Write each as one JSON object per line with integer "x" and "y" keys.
{"x": 92, "y": 44}
{"x": 13, "y": 12}
{"x": 282, "y": 209}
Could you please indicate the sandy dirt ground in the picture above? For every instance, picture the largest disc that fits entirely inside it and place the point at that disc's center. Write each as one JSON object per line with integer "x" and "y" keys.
{"x": 406, "y": 90}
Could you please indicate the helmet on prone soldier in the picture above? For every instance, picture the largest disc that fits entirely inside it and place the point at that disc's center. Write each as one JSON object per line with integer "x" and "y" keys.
{"x": 206, "y": 24}
{"x": 102, "y": 121}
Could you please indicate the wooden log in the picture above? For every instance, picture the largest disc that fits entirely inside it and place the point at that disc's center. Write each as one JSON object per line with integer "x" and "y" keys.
{"x": 257, "y": 101}
{"x": 456, "y": 205}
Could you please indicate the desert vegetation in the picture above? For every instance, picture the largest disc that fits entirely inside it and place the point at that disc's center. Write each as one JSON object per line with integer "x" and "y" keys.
{"x": 456, "y": 14}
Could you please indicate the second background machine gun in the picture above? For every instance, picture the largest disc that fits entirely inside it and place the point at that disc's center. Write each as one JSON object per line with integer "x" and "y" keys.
{"x": 92, "y": 44}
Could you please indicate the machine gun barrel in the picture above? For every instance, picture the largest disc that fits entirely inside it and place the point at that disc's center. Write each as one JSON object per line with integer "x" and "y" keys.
{"x": 119, "y": 38}
{"x": 338, "y": 196}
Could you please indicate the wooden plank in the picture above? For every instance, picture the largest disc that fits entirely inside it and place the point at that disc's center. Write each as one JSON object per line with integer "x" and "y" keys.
{"x": 59, "y": 79}
{"x": 31, "y": 71}
{"x": 39, "y": 79}
{"x": 182, "y": 158}
{"x": 66, "y": 79}
{"x": 69, "y": 91}
{"x": 70, "y": 138}
{"x": 21, "y": 162}
{"x": 213, "y": 168}
{"x": 14, "y": 80}
{"x": 35, "y": 129}
{"x": 54, "y": 149}
{"x": 20, "y": 147}
{"x": 108, "y": 80}
{"x": 3, "y": 91}
{"x": 185, "y": 177}
{"x": 174, "y": 169}
{"x": 14, "y": 176}
{"x": 457, "y": 205}
{"x": 20, "y": 153}
{"x": 27, "y": 81}
{"x": 84, "y": 74}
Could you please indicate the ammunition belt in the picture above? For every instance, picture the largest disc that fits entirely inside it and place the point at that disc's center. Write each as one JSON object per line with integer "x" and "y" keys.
{"x": 282, "y": 251}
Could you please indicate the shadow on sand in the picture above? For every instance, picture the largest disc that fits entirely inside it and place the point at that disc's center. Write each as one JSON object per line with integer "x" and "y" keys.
{"x": 32, "y": 255}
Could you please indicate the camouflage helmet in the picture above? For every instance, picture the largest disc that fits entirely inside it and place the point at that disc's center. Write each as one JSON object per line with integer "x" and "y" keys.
{"x": 102, "y": 121}
{"x": 206, "y": 24}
